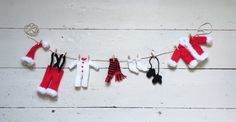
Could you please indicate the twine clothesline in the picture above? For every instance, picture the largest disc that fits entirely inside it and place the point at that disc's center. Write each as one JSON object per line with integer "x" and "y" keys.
{"x": 103, "y": 60}
{"x": 34, "y": 30}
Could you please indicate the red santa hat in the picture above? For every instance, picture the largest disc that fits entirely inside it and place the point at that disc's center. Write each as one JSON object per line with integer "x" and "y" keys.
{"x": 28, "y": 60}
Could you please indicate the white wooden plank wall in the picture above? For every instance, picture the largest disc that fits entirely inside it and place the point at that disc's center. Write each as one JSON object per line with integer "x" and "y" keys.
{"x": 122, "y": 27}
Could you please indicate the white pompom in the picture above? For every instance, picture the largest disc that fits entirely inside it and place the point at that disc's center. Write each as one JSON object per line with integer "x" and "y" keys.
{"x": 45, "y": 45}
{"x": 209, "y": 40}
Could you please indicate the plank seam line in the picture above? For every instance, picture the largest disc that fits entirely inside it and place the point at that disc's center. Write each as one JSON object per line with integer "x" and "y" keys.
{"x": 111, "y": 29}
{"x": 127, "y": 68}
{"x": 116, "y": 107}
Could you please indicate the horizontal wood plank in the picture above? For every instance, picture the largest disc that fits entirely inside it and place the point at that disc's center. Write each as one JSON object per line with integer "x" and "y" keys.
{"x": 143, "y": 14}
{"x": 117, "y": 115}
{"x": 181, "y": 88}
{"x": 102, "y": 28}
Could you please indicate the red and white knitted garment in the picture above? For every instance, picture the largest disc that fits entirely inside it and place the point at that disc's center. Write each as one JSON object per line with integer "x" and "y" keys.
{"x": 28, "y": 59}
{"x": 114, "y": 70}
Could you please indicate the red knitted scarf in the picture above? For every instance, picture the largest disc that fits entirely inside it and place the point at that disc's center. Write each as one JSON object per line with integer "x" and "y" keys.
{"x": 114, "y": 70}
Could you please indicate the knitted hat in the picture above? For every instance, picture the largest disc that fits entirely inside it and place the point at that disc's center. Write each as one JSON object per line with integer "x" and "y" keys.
{"x": 28, "y": 60}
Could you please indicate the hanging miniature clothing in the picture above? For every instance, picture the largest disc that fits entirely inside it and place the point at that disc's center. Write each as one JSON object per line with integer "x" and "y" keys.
{"x": 135, "y": 65}
{"x": 140, "y": 65}
{"x": 52, "y": 77}
{"x": 132, "y": 66}
{"x": 190, "y": 51}
{"x": 114, "y": 70}
{"x": 83, "y": 66}
{"x": 28, "y": 60}
{"x": 157, "y": 78}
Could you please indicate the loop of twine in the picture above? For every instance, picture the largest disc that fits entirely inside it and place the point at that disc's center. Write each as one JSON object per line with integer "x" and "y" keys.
{"x": 102, "y": 60}
{"x": 202, "y": 31}
{"x": 31, "y": 30}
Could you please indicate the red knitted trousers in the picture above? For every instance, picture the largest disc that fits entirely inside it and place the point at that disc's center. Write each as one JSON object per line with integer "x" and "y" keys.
{"x": 52, "y": 78}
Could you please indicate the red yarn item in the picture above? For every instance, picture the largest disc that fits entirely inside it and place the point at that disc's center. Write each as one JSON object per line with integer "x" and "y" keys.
{"x": 114, "y": 70}
{"x": 190, "y": 51}
{"x": 52, "y": 78}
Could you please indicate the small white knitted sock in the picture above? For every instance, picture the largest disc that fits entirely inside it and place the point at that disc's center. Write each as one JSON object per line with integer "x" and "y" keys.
{"x": 141, "y": 66}
{"x": 132, "y": 66}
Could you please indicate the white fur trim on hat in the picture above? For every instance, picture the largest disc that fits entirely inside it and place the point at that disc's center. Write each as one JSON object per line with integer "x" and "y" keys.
{"x": 41, "y": 90}
{"x": 51, "y": 92}
{"x": 209, "y": 40}
{"x": 172, "y": 63}
{"x": 45, "y": 45}
{"x": 27, "y": 61}
{"x": 192, "y": 64}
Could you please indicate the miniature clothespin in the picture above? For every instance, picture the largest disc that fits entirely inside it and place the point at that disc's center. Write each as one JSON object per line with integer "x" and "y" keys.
{"x": 79, "y": 57}
{"x": 128, "y": 57}
{"x": 176, "y": 47}
{"x": 190, "y": 35}
{"x": 113, "y": 57}
{"x": 152, "y": 54}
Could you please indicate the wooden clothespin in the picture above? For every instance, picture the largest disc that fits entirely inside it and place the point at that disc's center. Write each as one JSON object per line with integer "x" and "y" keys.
{"x": 152, "y": 54}
{"x": 190, "y": 35}
{"x": 79, "y": 57}
{"x": 128, "y": 57}
{"x": 176, "y": 47}
{"x": 88, "y": 57}
{"x": 113, "y": 57}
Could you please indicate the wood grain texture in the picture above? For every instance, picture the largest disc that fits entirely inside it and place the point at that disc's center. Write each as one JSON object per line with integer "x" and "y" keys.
{"x": 160, "y": 14}
{"x": 102, "y": 28}
{"x": 180, "y": 88}
{"x": 117, "y": 114}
